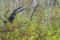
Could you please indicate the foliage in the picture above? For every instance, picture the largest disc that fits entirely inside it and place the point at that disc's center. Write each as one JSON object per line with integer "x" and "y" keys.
{"x": 22, "y": 29}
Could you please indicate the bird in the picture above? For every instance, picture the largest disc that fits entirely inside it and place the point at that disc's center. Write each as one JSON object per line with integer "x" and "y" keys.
{"x": 12, "y": 16}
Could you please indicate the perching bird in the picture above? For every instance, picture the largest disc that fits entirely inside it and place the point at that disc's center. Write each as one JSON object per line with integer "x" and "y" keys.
{"x": 11, "y": 18}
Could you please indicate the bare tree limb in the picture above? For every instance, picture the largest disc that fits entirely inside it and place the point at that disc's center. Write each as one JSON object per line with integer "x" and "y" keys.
{"x": 34, "y": 6}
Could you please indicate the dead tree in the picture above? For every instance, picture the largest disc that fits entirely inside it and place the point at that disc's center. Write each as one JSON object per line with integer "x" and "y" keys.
{"x": 48, "y": 6}
{"x": 34, "y": 6}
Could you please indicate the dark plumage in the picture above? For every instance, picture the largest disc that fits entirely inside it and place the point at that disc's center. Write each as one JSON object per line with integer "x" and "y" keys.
{"x": 11, "y": 18}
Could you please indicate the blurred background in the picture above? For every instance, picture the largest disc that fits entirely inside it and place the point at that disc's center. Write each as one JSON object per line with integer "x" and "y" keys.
{"x": 39, "y": 21}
